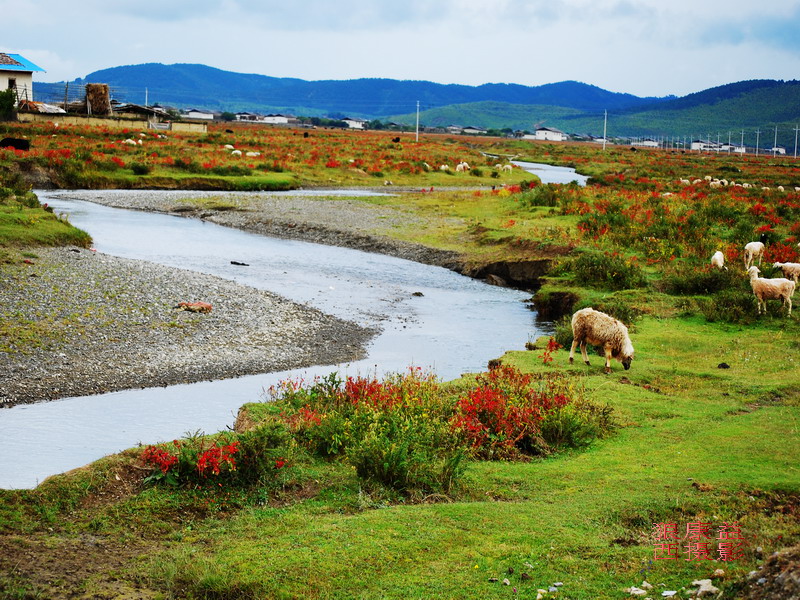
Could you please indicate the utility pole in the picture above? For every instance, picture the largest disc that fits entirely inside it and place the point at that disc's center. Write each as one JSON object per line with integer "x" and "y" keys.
{"x": 417, "y": 139}
{"x": 145, "y": 97}
{"x": 66, "y": 96}
{"x": 775, "y": 143}
{"x": 795, "y": 141}
{"x": 758, "y": 135}
{"x": 605, "y": 124}
{"x": 729, "y": 142}
{"x": 742, "y": 144}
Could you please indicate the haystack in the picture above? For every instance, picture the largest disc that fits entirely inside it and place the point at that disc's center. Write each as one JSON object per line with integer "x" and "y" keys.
{"x": 98, "y": 101}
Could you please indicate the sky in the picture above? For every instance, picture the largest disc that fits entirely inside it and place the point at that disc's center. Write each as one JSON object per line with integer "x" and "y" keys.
{"x": 641, "y": 47}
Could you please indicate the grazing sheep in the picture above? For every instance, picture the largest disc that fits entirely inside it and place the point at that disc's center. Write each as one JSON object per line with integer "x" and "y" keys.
{"x": 789, "y": 270}
{"x": 236, "y": 152}
{"x": 685, "y": 181}
{"x": 508, "y": 168}
{"x": 771, "y": 289}
{"x": 780, "y": 188}
{"x": 718, "y": 260}
{"x": 253, "y": 154}
{"x": 753, "y": 251}
{"x": 228, "y": 147}
{"x": 462, "y": 166}
{"x": 599, "y": 329}
{"x": 444, "y": 167}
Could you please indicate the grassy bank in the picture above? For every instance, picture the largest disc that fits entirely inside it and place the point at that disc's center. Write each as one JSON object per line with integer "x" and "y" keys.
{"x": 706, "y": 425}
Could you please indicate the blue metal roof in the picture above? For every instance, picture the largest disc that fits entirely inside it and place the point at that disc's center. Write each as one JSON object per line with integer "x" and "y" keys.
{"x": 15, "y": 62}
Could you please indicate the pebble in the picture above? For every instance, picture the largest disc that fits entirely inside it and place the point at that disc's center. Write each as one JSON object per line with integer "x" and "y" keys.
{"x": 112, "y": 326}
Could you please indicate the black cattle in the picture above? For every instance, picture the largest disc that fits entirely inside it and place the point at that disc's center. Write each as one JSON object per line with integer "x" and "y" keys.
{"x": 16, "y": 143}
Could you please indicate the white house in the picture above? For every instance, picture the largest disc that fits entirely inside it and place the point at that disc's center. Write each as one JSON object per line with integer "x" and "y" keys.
{"x": 274, "y": 119}
{"x": 196, "y": 113}
{"x": 354, "y": 123}
{"x": 550, "y": 134}
{"x": 646, "y": 143}
{"x": 706, "y": 145}
{"x": 246, "y": 116}
{"x": 16, "y": 73}
{"x": 778, "y": 150}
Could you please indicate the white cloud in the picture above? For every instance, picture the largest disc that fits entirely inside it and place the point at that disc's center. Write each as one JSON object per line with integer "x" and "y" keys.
{"x": 646, "y": 47}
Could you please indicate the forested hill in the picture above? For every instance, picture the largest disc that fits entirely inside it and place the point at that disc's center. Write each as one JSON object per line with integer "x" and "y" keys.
{"x": 200, "y": 86}
{"x": 747, "y": 106}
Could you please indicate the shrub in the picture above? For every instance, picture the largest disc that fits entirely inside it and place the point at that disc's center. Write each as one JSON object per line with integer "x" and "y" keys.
{"x": 253, "y": 457}
{"x": 500, "y": 417}
{"x": 541, "y": 195}
{"x": 730, "y": 306}
{"x": 140, "y": 168}
{"x": 8, "y": 104}
{"x": 604, "y": 270}
{"x": 708, "y": 280}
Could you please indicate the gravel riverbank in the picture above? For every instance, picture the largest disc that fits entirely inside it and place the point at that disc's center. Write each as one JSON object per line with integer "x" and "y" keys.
{"x": 78, "y": 322}
{"x": 314, "y": 217}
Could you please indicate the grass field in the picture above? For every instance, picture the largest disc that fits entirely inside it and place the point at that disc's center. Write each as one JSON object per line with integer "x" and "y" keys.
{"x": 694, "y": 442}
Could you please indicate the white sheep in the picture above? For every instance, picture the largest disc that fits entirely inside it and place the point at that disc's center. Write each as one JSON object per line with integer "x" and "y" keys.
{"x": 508, "y": 168}
{"x": 462, "y": 166}
{"x": 771, "y": 289}
{"x": 685, "y": 182}
{"x": 591, "y": 326}
{"x": 753, "y": 251}
{"x": 253, "y": 154}
{"x": 718, "y": 260}
{"x": 236, "y": 152}
{"x": 780, "y": 188}
{"x": 789, "y": 270}
{"x": 228, "y": 147}
{"x": 444, "y": 167}
{"x": 129, "y": 141}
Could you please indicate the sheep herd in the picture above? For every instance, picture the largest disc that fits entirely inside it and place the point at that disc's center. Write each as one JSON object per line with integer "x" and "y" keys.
{"x": 593, "y": 327}
{"x": 777, "y": 288}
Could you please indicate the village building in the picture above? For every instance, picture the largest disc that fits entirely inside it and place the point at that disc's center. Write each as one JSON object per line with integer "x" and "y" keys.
{"x": 354, "y": 123}
{"x": 278, "y": 119}
{"x": 16, "y": 73}
{"x": 249, "y": 117}
{"x": 474, "y": 130}
{"x": 196, "y": 113}
{"x": 550, "y": 134}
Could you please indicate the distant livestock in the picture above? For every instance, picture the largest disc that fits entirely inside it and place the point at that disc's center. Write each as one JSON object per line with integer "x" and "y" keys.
{"x": 771, "y": 289}
{"x": 789, "y": 270}
{"x": 752, "y": 252}
{"x": 15, "y": 143}
{"x": 593, "y": 327}
{"x": 718, "y": 260}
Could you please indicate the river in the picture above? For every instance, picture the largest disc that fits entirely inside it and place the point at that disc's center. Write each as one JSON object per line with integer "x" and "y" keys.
{"x": 456, "y": 326}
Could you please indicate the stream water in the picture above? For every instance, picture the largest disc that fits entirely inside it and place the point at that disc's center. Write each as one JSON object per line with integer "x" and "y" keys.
{"x": 456, "y": 326}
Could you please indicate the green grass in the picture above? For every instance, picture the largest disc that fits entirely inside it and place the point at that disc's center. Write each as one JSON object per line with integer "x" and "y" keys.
{"x": 562, "y": 515}
{"x": 22, "y": 226}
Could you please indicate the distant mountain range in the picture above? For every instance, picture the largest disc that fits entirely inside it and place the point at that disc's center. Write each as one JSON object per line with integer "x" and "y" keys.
{"x": 571, "y": 106}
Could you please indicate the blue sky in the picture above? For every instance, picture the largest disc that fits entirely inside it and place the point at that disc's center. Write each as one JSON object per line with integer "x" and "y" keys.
{"x": 643, "y": 47}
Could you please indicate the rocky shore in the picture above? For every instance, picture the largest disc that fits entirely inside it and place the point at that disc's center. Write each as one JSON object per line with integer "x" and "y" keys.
{"x": 78, "y": 322}
{"x": 314, "y": 217}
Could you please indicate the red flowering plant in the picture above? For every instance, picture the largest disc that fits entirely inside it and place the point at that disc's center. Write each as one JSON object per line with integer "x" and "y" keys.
{"x": 252, "y": 457}
{"x": 501, "y": 416}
